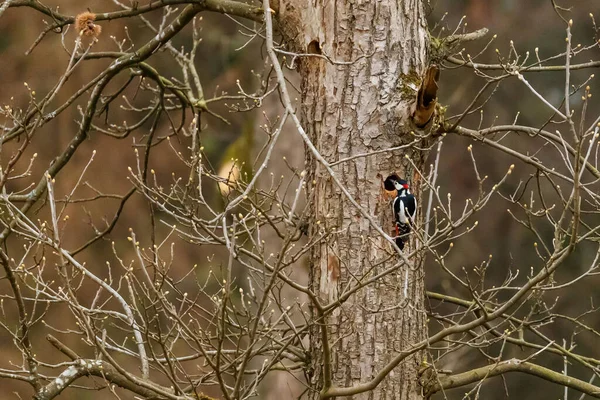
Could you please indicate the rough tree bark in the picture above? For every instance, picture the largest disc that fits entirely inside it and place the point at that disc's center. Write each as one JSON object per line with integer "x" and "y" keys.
{"x": 349, "y": 109}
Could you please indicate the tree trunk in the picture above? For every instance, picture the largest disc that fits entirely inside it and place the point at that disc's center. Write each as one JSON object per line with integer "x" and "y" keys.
{"x": 349, "y": 109}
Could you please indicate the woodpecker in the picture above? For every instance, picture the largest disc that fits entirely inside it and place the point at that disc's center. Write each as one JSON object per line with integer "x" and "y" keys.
{"x": 404, "y": 207}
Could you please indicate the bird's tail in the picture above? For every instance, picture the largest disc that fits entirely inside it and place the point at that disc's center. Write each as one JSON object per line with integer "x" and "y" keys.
{"x": 402, "y": 231}
{"x": 400, "y": 243}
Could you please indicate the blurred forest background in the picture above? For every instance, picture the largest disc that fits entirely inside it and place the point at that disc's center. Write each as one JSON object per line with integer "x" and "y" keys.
{"x": 224, "y": 57}
{"x": 530, "y": 25}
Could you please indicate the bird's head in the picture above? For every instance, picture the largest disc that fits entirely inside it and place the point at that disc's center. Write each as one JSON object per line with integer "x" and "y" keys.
{"x": 394, "y": 182}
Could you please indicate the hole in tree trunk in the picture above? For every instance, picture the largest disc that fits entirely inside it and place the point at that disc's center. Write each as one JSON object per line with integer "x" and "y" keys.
{"x": 314, "y": 47}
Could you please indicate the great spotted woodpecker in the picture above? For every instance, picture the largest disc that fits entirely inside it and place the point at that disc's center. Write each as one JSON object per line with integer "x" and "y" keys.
{"x": 404, "y": 207}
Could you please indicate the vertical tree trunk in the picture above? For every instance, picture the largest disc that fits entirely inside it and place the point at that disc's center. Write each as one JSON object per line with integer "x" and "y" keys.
{"x": 349, "y": 109}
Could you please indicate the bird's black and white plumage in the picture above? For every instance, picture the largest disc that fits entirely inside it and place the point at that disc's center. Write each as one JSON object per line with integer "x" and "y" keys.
{"x": 404, "y": 207}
